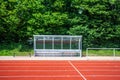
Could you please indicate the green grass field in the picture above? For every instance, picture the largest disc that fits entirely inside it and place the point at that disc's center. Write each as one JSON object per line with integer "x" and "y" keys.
{"x": 20, "y": 49}
{"x": 17, "y": 49}
{"x": 101, "y": 52}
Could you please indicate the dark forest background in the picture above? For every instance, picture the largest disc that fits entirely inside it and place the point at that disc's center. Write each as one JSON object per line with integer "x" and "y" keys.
{"x": 98, "y": 21}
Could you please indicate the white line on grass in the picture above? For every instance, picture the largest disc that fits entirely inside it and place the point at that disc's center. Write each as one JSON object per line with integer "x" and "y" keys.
{"x": 77, "y": 70}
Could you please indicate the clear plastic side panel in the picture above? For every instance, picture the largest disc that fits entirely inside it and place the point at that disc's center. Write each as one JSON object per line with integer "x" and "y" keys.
{"x": 57, "y": 42}
{"x": 48, "y": 42}
{"x": 66, "y": 43}
{"x": 39, "y": 43}
{"x": 75, "y": 43}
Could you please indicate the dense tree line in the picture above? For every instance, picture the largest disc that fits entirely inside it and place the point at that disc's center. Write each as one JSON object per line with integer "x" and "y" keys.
{"x": 98, "y": 21}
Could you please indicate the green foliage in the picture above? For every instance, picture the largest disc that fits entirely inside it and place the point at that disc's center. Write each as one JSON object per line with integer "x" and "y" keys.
{"x": 15, "y": 48}
{"x": 97, "y": 20}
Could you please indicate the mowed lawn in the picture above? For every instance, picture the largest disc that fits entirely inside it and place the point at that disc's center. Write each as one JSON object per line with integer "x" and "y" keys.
{"x": 20, "y": 49}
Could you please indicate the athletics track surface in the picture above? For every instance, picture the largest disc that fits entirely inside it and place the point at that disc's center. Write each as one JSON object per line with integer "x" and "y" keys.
{"x": 59, "y": 70}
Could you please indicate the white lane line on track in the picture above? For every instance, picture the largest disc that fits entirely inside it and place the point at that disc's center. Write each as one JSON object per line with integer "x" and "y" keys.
{"x": 35, "y": 66}
{"x": 34, "y": 63}
{"x": 45, "y": 76}
{"x": 97, "y": 63}
{"x": 103, "y": 75}
{"x": 37, "y": 70}
{"x": 98, "y": 66}
{"x": 69, "y": 66}
{"x": 60, "y": 76}
{"x": 58, "y": 70}
{"x": 77, "y": 70}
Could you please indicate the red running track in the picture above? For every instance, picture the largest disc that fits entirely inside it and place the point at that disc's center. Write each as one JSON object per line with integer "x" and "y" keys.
{"x": 59, "y": 70}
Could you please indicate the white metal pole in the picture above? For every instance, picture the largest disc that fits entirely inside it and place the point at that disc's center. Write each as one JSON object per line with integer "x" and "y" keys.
{"x": 87, "y": 52}
{"x": 114, "y": 52}
{"x": 52, "y": 42}
{"x": 34, "y": 44}
{"x": 61, "y": 42}
{"x": 70, "y": 42}
{"x": 44, "y": 43}
{"x": 79, "y": 46}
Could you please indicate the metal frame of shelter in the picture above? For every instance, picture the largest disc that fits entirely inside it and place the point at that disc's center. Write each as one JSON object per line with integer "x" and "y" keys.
{"x": 58, "y": 45}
